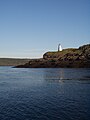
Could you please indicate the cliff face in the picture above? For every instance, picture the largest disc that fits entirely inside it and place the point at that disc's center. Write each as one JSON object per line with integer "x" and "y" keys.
{"x": 82, "y": 53}
{"x": 85, "y": 51}
{"x": 77, "y": 58}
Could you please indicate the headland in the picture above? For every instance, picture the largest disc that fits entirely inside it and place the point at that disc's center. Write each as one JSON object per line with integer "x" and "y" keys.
{"x": 67, "y": 58}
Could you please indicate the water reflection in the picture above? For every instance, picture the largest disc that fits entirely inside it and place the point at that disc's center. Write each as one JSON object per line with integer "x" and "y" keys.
{"x": 62, "y": 74}
{"x": 54, "y": 75}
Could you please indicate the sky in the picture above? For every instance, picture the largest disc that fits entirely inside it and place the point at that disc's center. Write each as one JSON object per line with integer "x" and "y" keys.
{"x": 29, "y": 28}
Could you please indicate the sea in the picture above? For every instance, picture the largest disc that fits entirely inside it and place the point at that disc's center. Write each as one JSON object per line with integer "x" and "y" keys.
{"x": 44, "y": 93}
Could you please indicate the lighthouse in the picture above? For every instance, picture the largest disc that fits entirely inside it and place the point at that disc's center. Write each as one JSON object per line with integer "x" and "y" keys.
{"x": 59, "y": 48}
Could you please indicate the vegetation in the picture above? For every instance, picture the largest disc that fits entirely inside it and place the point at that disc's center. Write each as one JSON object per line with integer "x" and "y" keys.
{"x": 66, "y": 58}
{"x": 77, "y": 58}
{"x": 12, "y": 61}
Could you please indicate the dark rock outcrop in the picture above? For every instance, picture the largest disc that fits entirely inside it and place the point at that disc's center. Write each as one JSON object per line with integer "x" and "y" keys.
{"x": 77, "y": 58}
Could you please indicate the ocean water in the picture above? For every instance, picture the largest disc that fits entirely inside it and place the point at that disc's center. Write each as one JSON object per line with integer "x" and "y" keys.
{"x": 44, "y": 94}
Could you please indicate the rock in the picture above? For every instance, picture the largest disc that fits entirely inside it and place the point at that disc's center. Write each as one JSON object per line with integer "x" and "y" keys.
{"x": 77, "y": 58}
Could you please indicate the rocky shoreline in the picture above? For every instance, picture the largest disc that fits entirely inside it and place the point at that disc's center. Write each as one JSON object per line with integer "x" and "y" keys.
{"x": 67, "y": 58}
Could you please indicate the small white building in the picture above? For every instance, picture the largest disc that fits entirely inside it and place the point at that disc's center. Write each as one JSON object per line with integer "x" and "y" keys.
{"x": 59, "y": 47}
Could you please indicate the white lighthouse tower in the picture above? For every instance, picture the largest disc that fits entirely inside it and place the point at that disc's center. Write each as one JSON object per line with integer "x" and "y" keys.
{"x": 59, "y": 47}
